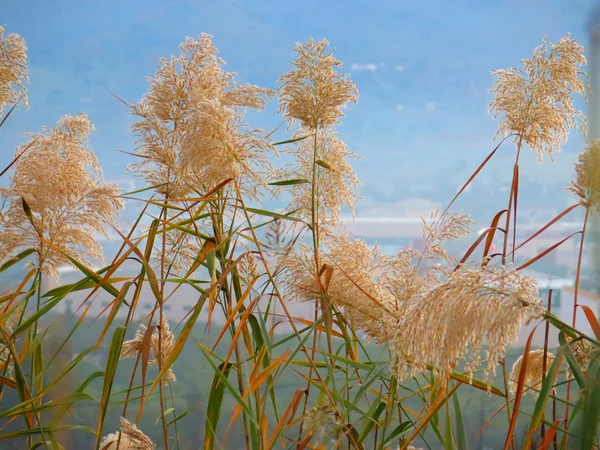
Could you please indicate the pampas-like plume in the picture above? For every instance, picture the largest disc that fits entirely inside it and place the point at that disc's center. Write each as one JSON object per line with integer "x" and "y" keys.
{"x": 130, "y": 437}
{"x": 533, "y": 373}
{"x": 313, "y": 93}
{"x": 13, "y": 69}
{"x": 582, "y": 351}
{"x": 67, "y": 203}
{"x": 356, "y": 278}
{"x": 587, "y": 177}
{"x": 535, "y": 103}
{"x": 321, "y": 422}
{"x": 190, "y": 129}
{"x": 161, "y": 346}
{"x": 337, "y": 185}
{"x": 361, "y": 285}
{"x": 462, "y": 311}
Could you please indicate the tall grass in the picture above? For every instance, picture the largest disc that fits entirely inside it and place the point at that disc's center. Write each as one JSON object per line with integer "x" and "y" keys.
{"x": 396, "y": 344}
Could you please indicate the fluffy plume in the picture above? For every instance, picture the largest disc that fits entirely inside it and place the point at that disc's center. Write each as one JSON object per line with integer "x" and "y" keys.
{"x": 586, "y": 185}
{"x": 432, "y": 314}
{"x": 130, "y": 437}
{"x": 67, "y": 202}
{"x": 275, "y": 237}
{"x": 360, "y": 284}
{"x": 534, "y": 372}
{"x": 321, "y": 422}
{"x": 582, "y": 351}
{"x": 13, "y": 69}
{"x": 313, "y": 93}
{"x": 441, "y": 325}
{"x": 535, "y": 103}
{"x": 190, "y": 129}
{"x": 336, "y": 183}
{"x": 248, "y": 268}
{"x": 181, "y": 247}
{"x": 301, "y": 279}
{"x": 161, "y": 346}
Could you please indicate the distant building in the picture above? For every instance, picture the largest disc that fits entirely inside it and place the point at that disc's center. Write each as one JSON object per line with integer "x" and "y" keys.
{"x": 563, "y": 294}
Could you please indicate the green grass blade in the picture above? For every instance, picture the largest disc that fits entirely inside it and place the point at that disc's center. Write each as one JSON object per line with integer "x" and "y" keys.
{"x": 109, "y": 376}
{"x": 290, "y": 141}
{"x": 545, "y": 391}
{"x": 372, "y": 417}
{"x": 396, "y": 433}
{"x": 461, "y": 438}
{"x": 575, "y": 369}
{"x": 215, "y": 401}
{"x": 15, "y": 259}
{"x": 292, "y": 182}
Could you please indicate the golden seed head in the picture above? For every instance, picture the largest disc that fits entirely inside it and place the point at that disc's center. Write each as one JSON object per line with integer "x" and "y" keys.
{"x": 161, "y": 346}
{"x": 336, "y": 182}
{"x": 67, "y": 201}
{"x": 441, "y": 325}
{"x": 13, "y": 69}
{"x": 321, "y": 422}
{"x": 130, "y": 437}
{"x": 587, "y": 177}
{"x": 536, "y": 102}
{"x": 313, "y": 93}
{"x": 582, "y": 351}
{"x": 191, "y": 130}
{"x": 534, "y": 372}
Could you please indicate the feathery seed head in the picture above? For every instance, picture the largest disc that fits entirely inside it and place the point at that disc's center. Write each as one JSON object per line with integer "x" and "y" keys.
{"x": 587, "y": 177}
{"x": 67, "y": 202}
{"x": 161, "y": 346}
{"x": 322, "y": 422}
{"x": 313, "y": 93}
{"x": 358, "y": 282}
{"x": 361, "y": 285}
{"x": 534, "y": 372}
{"x": 337, "y": 184}
{"x": 582, "y": 351}
{"x": 190, "y": 129}
{"x": 535, "y": 103}
{"x": 13, "y": 69}
{"x": 130, "y": 437}
{"x": 471, "y": 305}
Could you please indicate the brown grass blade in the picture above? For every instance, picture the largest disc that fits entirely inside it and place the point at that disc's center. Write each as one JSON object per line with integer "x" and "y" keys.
{"x": 519, "y": 393}
{"x": 548, "y": 225}
{"x": 145, "y": 357}
{"x": 549, "y": 436}
{"x": 591, "y": 317}
{"x": 548, "y": 250}
{"x": 441, "y": 397}
{"x": 474, "y": 174}
{"x": 234, "y": 312}
{"x": 515, "y": 192}
{"x": 474, "y": 246}
{"x": 490, "y": 237}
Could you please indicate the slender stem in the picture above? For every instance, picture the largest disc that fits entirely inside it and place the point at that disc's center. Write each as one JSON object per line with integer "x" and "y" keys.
{"x": 510, "y": 206}
{"x": 554, "y": 416}
{"x": 160, "y": 330}
{"x": 575, "y": 297}
{"x": 315, "y": 202}
{"x": 504, "y": 253}
{"x": 315, "y": 237}
{"x": 546, "y": 333}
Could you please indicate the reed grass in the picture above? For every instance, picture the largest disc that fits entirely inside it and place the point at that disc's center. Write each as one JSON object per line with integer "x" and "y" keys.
{"x": 397, "y": 344}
